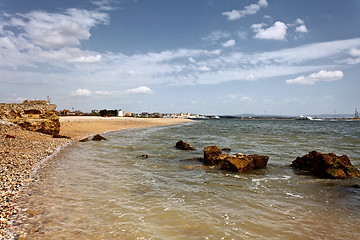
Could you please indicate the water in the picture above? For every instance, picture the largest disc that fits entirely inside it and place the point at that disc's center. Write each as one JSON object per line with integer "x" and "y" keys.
{"x": 104, "y": 190}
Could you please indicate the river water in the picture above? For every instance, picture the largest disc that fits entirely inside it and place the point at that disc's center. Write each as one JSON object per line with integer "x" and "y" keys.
{"x": 105, "y": 190}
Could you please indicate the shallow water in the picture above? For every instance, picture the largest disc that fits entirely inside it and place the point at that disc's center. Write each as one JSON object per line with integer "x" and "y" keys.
{"x": 104, "y": 190}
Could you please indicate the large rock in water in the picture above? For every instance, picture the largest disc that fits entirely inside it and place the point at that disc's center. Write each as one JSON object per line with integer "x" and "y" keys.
{"x": 326, "y": 165}
{"x": 38, "y": 116}
{"x": 236, "y": 163}
{"x": 184, "y": 146}
{"x": 213, "y": 155}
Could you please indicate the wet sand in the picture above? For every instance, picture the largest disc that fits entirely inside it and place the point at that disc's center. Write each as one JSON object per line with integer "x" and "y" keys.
{"x": 21, "y": 153}
{"x": 80, "y": 127}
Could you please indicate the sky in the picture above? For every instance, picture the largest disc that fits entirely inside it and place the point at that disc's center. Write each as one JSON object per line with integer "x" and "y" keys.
{"x": 224, "y": 57}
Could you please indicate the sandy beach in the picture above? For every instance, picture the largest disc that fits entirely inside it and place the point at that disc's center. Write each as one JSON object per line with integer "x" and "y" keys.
{"x": 22, "y": 151}
{"x": 80, "y": 127}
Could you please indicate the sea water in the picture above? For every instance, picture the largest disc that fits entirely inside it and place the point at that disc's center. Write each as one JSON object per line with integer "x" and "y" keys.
{"x": 106, "y": 190}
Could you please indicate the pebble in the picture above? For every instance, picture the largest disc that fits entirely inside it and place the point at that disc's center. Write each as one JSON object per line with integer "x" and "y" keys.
{"x": 19, "y": 156}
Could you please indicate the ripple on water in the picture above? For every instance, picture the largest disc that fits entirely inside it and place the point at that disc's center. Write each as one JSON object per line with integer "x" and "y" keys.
{"x": 105, "y": 191}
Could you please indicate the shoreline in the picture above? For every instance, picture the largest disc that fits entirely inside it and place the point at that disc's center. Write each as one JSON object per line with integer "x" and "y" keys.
{"x": 23, "y": 153}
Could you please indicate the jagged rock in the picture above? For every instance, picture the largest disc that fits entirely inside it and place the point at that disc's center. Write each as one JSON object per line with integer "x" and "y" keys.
{"x": 184, "y": 146}
{"x": 259, "y": 160}
{"x": 84, "y": 140}
{"x": 237, "y": 163}
{"x": 326, "y": 165}
{"x": 37, "y": 116}
{"x": 243, "y": 163}
{"x": 98, "y": 137}
{"x": 213, "y": 155}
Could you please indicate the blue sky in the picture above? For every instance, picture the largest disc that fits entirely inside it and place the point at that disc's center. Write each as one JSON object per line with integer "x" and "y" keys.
{"x": 200, "y": 56}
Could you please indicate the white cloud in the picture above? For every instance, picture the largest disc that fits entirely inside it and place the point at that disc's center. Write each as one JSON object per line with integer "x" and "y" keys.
{"x": 321, "y": 76}
{"x": 229, "y": 43}
{"x": 216, "y": 35}
{"x": 142, "y": 89}
{"x": 301, "y": 29}
{"x": 299, "y": 21}
{"x": 6, "y": 43}
{"x": 192, "y": 60}
{"x": 82, "y": 92}
{"x": 354, "y": 52}
{"x": 72, "y": 55}
{"x": 56, "y": 30}
{"x": 248, "y": 10}
{"x": 204, "y": 68}
{"x": 275, "y": 32}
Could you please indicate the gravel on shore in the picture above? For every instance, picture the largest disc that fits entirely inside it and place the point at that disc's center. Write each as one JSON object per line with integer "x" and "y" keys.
{"x": 21, "y": 152}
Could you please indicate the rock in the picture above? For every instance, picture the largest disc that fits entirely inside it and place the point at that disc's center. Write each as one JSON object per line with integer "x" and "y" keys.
{"x": 213, "y": 155}
{"x": 355, "y": 186}
{"x": 84, "y": 140}
{"x": 60, "y": 136}
{"x": 326, "y": 165}
{"x": 243, "y": 163}
{"x": 259, "y": 160}
{"x": 37, "y": 116}
{"x": 226, "y": 149}
{"x": 236, "y": 163}
{"x": 143, "y": 156}
{"x": 184, "y": 146}
{"x": 98, "y": 137}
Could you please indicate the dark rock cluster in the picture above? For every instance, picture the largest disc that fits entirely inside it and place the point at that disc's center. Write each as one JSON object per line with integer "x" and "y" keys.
{"x": 326, "y": 165}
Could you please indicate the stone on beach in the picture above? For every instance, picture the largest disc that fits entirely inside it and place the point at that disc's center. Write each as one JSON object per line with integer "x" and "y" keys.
{"x": 98, "y": 137}
{"x": 184, "y": 146}
{"x": 326, "y": 165}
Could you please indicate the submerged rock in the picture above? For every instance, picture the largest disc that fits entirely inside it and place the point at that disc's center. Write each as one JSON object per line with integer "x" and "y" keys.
{"x": 226, "y": 149}
{"x": 326, "y": 165}
{"x": 98, "y": 137}
{"x": 184, "y": 146}
{"x": 236, "y": 163}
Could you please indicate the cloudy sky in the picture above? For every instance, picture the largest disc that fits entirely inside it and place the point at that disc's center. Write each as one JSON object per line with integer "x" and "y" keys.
{"x": 200, "y": 56}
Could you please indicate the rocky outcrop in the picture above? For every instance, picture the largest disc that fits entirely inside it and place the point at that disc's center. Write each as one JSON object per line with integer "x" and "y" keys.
{"x": 98, "y": 137}
{"x": 326, "y": 165}
{"x": 37, "y": 116}
{"x": 184, "y": 146}
{"x": 236, "y": 163}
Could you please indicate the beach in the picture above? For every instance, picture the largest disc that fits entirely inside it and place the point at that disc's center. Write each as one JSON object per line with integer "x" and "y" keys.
{"x": 22, "y": 151}
{"x": 137, "y": 185}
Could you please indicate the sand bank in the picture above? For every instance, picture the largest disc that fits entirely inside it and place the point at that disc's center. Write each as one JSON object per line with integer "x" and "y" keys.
{"x": 80, "y": 127}
{"x": 22, "y": 151}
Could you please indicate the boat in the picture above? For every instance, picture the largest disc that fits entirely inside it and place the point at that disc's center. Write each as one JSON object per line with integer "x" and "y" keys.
{"x": 302, "y": 117}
